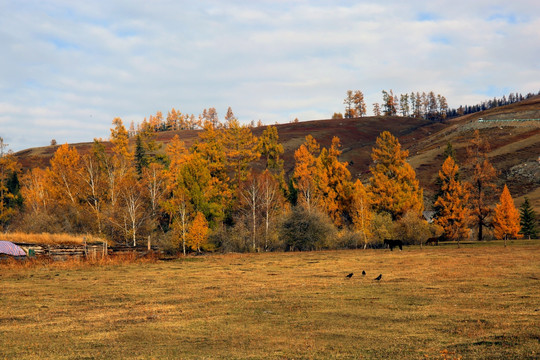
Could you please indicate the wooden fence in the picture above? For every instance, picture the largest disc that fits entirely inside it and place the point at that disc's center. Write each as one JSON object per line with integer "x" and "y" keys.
{"x": 89, "y": 251}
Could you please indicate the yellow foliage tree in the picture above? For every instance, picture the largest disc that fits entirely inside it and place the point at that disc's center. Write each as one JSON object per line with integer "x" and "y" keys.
{"x": 334, "y": 185}
{"x": 63, "y": 174}
{"x": 393, "y": 182}
{"x": 360, "y": 211}
{"x": 506, "y": 219}
{"x": 482, "y": 186}
{"x": 454, "y": 215}
{"x": 306, "y": 172}
{"x": 197, "y": 236}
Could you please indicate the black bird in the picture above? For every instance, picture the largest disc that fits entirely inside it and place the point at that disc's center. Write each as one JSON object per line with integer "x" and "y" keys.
{"x": 350, "y": 275}
{"x": 363, "y": 272}
{"x": 378, "y": 277}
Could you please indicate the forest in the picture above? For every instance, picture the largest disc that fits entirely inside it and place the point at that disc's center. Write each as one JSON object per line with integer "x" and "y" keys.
{"x": 229, "y": 192}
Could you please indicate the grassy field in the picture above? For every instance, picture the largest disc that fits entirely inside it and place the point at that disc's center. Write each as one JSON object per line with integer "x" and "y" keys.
{"x": 437, "y": 302}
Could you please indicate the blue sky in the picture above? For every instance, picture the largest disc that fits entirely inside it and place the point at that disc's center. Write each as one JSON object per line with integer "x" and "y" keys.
{"x": 68, "y": 68}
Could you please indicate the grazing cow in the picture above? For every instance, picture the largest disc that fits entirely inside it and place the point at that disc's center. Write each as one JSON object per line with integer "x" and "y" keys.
{"x": 350, "y": 275}
{"x": 393, "y": 243}
{"x": 433, "y": 240}
{"x": 378, "y": 278}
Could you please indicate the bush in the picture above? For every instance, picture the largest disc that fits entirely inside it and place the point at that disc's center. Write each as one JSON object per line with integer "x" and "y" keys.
{"x": 382, "y": 228}
{"x": 302, "y": 230}
{"x": 412, "y": 229}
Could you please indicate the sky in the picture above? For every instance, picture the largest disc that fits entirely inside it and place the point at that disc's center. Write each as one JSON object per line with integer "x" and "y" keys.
{"x": 68, "y": 68}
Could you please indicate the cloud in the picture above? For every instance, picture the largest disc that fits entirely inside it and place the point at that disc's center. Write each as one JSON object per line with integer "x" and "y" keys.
{"x": 69, "y": 68}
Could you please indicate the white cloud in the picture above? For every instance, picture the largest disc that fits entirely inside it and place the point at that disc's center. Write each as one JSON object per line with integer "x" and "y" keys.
{"x": 69, "y": 68}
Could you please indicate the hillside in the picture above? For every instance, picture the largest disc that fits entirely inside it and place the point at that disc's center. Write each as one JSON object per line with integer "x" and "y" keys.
{"x": 515, "y": 144}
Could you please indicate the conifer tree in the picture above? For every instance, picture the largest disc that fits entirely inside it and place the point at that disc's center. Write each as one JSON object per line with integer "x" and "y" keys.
{"x": 506, "y": 218}
{"x": 528, "y": 220}
{"x": 453, "y": 214}
{"x": 197, "y": 235}
{"x": 393, "y": 182}
{"x": 360, "y": 211}
{"x": 481, "y": 183}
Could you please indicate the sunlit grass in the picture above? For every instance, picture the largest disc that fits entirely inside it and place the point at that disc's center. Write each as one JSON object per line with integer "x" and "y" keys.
{"x": 50, "y": 239}
{"x": 435, "y": 302}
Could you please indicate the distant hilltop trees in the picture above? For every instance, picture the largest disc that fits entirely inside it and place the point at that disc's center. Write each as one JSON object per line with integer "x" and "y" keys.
{"x": 425, "y": 105}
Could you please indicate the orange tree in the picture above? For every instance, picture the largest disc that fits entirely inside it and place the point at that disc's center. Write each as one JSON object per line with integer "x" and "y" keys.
{"x": 453, "y": 215}
{"x": 197, "y": 235}
{"x": 506, "y": 218}
{"x": 393, "y": 180}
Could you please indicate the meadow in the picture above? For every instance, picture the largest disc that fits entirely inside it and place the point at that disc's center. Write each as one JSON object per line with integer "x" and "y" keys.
{"x": 439, "y": 302}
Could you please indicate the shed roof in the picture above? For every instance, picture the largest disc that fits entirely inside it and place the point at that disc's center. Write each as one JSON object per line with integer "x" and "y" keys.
{"x": 9, "y": 248}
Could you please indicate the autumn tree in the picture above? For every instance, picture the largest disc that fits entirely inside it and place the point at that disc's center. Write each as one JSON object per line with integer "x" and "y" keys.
{"x": 211, "y": 148}
{"x": 306, "y": 172}
{"x": 453, "y": 214}
{"x": 528, "y": 220}
{"x": 376, "y": 109}
{"x": 333, "y": 184}
{"x": 360, "y": 211}
{"x": 270, "y": 148}
{"x": 249, "y": 200}
{"x": 198, "y": 233}
{"x": 178, "y": 202}
{"x": 404, "y": 104}
{"x": 93, "y": 185}
{"x": 350, "y": 109}
{"x": 481, "y": 183}
{"x": 63, "y": 174}
{"x": 506, "y": 218}
{"x": 359, "y": 103}
{"x": 241, "y": 149}
{"x": 272, "y": 202}
{"x": 393, "y": 180}
{"x": 35, "y": 190}
{"x": 389, "y": 103}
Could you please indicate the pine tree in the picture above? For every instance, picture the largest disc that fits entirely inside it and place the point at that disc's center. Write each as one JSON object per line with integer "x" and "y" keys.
{"x": 506, "y": 218}
{"x": 393, "y": 182}
{"x": 452, "y": 212}
{"x": 528, "y": 220}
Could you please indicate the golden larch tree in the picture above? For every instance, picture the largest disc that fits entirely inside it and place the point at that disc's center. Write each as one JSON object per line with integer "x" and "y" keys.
{"x": 506, "y": 219}
{"x": 454, "y": 215}
{"x": 360, "y": 211}
{"x": 482, "y": 186}
{"x": 306, "y": 172}
{"x": 198, "y": 233}
{"x": 393, "y": 182}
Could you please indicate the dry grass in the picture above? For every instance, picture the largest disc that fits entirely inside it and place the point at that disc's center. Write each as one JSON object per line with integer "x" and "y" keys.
{"x": 436, "y": 302}
{"x": 50, "y": 239}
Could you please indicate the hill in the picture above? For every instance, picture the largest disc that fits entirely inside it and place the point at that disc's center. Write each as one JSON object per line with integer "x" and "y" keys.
{"x": 515, "y": 145}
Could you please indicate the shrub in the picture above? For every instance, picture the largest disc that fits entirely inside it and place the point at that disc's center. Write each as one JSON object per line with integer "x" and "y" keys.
{"x": 302, "y": 230}
{"x": 382, "y": 228}
{"x": 412, "y": 229}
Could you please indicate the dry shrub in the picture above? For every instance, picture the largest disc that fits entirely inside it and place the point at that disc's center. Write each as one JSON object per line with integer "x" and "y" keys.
{"x": 382, "y": 228}
{"x": 307, "y": 230}
{"x": 412, "y": 229}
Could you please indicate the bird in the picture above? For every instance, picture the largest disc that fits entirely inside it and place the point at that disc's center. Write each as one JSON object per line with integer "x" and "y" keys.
{"x": 363, "y": 272}
{"x": 350, "y": 275}
{"x": 378, "y": 277}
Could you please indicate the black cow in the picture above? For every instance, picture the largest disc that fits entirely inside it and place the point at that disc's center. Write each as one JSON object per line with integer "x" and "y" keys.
{"x": 393, "y": 243}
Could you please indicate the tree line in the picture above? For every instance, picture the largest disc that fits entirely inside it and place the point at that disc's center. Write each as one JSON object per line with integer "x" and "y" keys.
{"x": 228, "y": 191}
{"x": 425, "y": 105}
